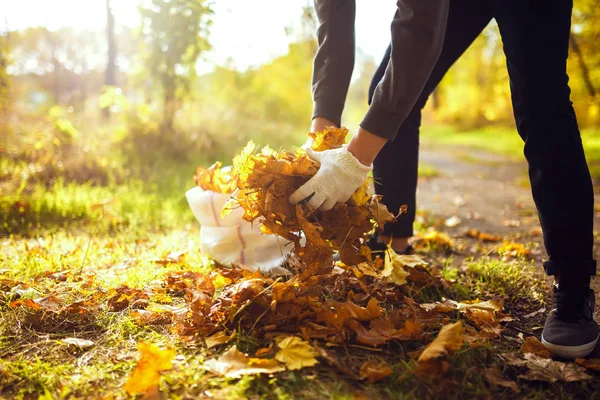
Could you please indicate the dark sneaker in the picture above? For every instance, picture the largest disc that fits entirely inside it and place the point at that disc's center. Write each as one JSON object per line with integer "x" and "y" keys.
{"x": 571, "y": 330}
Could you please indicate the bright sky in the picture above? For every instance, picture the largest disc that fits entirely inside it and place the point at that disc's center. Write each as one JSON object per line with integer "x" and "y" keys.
{"x": 248, "y": 32}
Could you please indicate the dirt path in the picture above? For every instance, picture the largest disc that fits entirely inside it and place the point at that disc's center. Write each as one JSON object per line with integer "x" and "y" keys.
{"x": 487, "y": 192}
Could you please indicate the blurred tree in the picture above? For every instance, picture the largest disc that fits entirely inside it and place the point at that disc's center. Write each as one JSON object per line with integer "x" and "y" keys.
{"x": 4, "y": 78}
{"x": 175, "y": 34}
{"x": 62, "y": 62}
{"x": 110, "y": 75}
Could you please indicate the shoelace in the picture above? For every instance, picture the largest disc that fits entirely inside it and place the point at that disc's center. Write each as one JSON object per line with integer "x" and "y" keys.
{"x": 572, "y": 306}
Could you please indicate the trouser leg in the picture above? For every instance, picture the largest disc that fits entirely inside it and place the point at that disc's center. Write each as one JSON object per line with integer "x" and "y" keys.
{"x": 535, "y": 35}
{"x": 395, "y": 169}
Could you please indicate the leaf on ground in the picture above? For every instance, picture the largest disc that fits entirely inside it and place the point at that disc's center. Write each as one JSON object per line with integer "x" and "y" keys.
{"x": 534, "y": 346}
{"x": 495, "y": 378}
{"x": 430, "y": 362}
{"x": 433, "y": 239}
{"x": 26, "y": 303}
{"x": 296, "y": 353}
{"x": 382, "y": 331}
{"x": 235, "y": 364}
{"x": 373, "y": 371}
{"x": 591, "y": 363}
{"x": 81, "y": 343}
{"x": 509, "y": 249}
{"x": 484, "y": 237}
{"x": 542, "y": 369}
{"x": 145, "y": 317}
{"x": 124, "y": 296}
{"x": 173, "y": 257}
{"x": 336, "y": 314}
{"x": 146, "y": 373}
{"x": 218, "y": 338}
{"x": 395, "y": 267}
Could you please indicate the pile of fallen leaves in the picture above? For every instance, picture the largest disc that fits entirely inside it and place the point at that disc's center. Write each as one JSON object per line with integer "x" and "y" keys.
{"x": 322, "y": 304}
{"x": 265, "y": 180}
{"x": 297, "y": 321}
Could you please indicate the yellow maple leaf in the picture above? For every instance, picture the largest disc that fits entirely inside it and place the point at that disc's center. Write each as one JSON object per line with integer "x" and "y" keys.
{"x": 361, "y": 196}
{"x": 448, "y": 340}
{"x": 235, "y": 364}
{"x": 329, "y": 138}
{"x": 396, "y": 264}
{"x": 296, "y": 353}
{"x": 146, "y": 373}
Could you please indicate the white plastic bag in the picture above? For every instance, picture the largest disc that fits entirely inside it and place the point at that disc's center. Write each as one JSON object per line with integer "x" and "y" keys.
{"x": 231, "y": 239}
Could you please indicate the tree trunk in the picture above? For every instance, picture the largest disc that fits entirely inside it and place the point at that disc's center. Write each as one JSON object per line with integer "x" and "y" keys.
{"x": 110, "y": 76}
{"x": 585, "y": 72}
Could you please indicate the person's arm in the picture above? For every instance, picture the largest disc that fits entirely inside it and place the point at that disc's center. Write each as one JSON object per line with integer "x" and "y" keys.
{"x": 334, "y": 61}
{"x": 418, "y": 31}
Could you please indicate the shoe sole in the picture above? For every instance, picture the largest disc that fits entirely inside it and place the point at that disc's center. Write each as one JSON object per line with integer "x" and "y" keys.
{"x": 571, "y": 352}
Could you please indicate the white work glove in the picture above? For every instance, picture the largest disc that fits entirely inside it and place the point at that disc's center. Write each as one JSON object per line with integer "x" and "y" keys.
{"x": 339, "y": 175}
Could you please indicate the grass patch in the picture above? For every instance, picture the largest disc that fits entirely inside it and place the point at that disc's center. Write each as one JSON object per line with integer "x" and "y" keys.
{"x": 517, "y": 281}
{"x": 505, "y": 141}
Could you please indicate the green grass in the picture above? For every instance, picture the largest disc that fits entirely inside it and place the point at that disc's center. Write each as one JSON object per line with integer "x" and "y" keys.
{"x": 504, "y": 141}
{"x": 106, "y": 236}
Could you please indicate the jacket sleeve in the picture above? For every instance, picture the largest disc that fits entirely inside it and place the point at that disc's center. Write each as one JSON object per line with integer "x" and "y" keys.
{"x": 334, "y": 60}
{"x": 418, "y": 31}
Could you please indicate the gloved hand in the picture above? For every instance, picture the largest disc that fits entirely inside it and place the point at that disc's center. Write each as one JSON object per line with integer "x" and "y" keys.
{"x": 339, "y": 175}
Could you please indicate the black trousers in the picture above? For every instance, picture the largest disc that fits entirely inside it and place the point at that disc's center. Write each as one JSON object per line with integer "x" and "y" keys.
{"x": 535, "y": 35}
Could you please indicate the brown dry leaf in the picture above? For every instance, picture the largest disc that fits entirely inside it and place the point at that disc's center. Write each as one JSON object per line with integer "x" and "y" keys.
{"x": 296, "y": 353}
{"x": 448, "y": 340}
{"x": 266, "y": 180}
{"x": 380, "y": 213}
{"x": 495, "y": 378}
{"x": 337, "y": 314}
{"x": 218, "y": 338}
{"x": 146, "y": 373}
{"x": 383, "y": 330}
{"x": 125, "y": 296}
{"x": 373, "y": 371}
{"x": 235, "y": 364}
{"x": 534, "y": 346}
{"x": 542, "y": 369}
{"x": 591, "y": 363}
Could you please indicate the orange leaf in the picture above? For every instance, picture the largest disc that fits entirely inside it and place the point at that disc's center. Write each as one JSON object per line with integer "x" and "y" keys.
{"x": 374, "y": 371}
{"x": 448, "y": 340}
{"x": 146, "y": 373}
{"x": 534, "y": 346}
